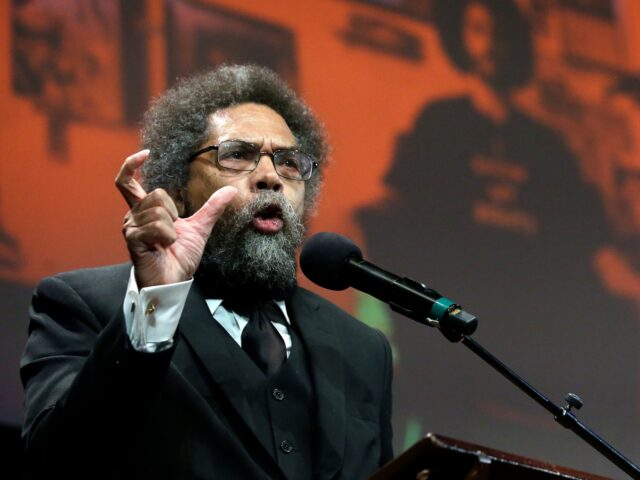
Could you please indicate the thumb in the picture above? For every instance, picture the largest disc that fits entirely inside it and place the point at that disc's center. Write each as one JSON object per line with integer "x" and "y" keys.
{"x": 208, "y": 214}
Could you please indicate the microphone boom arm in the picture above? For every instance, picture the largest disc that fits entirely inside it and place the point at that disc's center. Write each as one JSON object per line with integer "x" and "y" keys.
{"x": 563, "y": 416}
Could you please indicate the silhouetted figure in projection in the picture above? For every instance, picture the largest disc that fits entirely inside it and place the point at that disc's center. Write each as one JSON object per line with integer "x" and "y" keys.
{"x": 488, "y": 207}
{"x": 9, "y": 249}
{"x": 14, "y": 296}
{"x": 619, "y": 262}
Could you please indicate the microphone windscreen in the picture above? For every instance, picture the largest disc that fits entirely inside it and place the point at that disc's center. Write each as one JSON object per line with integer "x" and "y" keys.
{"x": 324, "y": 259}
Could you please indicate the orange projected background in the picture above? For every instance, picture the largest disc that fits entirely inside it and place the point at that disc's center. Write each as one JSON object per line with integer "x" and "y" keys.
{"x": 489, "y": 148}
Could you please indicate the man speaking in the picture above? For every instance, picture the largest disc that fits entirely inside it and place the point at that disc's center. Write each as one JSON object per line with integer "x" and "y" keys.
{"x": 202, "y": 358}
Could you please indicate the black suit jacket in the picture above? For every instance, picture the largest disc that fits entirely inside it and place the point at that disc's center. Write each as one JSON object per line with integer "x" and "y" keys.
{"x": 95, "y": 408}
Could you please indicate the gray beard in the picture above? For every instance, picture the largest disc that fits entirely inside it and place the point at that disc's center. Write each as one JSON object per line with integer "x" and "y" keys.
{"x": 244, "y": 259}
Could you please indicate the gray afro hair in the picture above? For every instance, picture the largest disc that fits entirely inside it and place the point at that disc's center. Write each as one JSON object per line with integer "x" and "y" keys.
{"x": 177, "y": 123}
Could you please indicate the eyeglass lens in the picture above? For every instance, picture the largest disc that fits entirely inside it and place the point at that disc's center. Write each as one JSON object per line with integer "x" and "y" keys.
{"x": 243, "y": 156}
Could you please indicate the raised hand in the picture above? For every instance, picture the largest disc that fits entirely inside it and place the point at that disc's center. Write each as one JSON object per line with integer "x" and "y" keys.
{"x": 164, "y": 248}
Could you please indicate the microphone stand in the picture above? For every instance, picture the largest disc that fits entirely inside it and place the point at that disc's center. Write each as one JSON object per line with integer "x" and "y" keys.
{"x": 345, "y": 267}
{"x": 454, "y": 331}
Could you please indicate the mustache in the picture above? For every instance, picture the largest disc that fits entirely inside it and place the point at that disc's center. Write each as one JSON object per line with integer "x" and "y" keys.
{"x": 266, "y": 203}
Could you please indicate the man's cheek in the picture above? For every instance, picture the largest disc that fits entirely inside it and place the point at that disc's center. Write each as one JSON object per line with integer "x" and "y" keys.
{"x": 298, "y": 201}
{"x": 238, "y": 203}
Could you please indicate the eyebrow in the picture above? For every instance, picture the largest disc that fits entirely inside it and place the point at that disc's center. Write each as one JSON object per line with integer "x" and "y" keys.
{"x": 259, "y": 145}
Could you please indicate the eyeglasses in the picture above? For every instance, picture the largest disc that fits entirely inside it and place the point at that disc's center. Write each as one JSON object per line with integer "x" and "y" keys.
{"x": 240, "y": 156}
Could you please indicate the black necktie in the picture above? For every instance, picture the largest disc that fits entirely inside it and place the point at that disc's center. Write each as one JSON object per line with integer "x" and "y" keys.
{"x": 261, "y": 340}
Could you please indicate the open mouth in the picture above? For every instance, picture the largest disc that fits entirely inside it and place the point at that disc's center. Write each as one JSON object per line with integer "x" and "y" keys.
{"x": 268, "y": 219}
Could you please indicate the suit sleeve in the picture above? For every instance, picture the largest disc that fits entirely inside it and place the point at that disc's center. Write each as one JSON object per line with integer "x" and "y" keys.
{"x": 86, "y": 388}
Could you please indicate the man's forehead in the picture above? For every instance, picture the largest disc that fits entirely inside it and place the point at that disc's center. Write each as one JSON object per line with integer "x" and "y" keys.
{"x": 246, "y": 113}
{"x": 252, "y": 122}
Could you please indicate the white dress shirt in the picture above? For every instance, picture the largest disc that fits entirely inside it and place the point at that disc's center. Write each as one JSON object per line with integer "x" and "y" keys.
{"x": 152, "y": 314}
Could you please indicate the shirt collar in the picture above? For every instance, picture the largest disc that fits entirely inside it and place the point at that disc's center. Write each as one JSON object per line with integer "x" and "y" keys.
{"x": 215, "y": 303}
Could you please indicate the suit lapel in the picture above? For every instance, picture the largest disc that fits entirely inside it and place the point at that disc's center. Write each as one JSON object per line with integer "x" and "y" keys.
{"x": 325, "y": 350}
{"x": 228, "y": 366}
{"x": 217, "y": 352}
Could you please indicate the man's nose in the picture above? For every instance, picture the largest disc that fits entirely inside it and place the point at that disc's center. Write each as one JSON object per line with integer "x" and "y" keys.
{"x": 265, "y": 175}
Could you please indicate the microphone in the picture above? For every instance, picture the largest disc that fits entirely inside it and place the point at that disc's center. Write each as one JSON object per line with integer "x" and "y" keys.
{"x": 335, "y": 262}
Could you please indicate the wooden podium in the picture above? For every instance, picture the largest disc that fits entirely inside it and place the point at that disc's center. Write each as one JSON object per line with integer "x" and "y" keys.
{"x": 440, "y": 458}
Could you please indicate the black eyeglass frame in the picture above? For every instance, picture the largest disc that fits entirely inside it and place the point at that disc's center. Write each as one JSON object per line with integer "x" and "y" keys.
{"x": 314, "y": 164}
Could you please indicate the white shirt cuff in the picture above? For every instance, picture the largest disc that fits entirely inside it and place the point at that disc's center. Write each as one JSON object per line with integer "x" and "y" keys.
{"x": 152, "y": 314}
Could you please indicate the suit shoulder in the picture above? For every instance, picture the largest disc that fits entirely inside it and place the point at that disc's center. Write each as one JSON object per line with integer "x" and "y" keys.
{"x": 88, "y": 283}
{"x": 105, "y": 274}
{"x": 343, "y": 320}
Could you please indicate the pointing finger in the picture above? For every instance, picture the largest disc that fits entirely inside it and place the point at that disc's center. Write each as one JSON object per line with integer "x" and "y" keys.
{"x": 126, "y": 182}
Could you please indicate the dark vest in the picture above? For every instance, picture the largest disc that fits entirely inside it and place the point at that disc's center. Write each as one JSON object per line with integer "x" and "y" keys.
{"x": 283, "y": 410}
